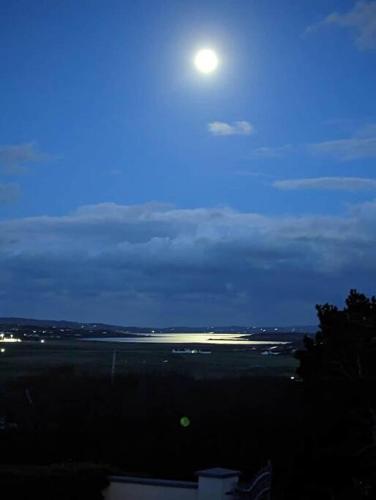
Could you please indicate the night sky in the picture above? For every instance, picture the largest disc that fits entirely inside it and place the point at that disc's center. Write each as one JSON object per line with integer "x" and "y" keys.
{"x": 136, "y": 190}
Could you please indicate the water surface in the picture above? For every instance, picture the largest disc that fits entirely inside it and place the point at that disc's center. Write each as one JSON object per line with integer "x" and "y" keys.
{"x": 189, "y": 338}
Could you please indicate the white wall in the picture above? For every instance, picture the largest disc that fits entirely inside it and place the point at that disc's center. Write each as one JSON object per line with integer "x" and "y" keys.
{"x": 137, "y": 491}
{"x": 213, "y": 488}
{"x": 213, "y": 484}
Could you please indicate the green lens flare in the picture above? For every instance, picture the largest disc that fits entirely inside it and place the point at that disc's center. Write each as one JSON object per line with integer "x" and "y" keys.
{"x": 185, "y": 422}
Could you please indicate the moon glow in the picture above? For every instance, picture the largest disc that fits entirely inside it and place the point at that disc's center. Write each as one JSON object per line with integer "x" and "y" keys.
{"x": 206, "y": 61}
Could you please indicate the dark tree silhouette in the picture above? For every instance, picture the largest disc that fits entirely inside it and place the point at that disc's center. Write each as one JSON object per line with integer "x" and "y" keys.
{"x": 338, "y": 368}
{"x": 345, "y": 346}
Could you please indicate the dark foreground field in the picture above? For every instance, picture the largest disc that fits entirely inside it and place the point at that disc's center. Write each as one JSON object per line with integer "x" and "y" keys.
{"x": 60, "y": 404}
{"x": 96, "y": 358}
{"x": 135, "y": 424}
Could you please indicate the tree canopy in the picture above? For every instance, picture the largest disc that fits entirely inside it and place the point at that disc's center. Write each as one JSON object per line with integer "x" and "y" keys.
{"x": 345, "y": 345}
{"x": 338, "y": 368}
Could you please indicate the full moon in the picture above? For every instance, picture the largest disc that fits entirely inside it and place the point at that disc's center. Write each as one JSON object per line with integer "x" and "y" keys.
{"x": 206, "y": 60}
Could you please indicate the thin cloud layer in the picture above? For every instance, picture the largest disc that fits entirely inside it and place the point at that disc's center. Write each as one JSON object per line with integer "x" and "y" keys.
{"x": 361, "y": 19}
{"x": 236, "y": 128}
{"x": 360, "y": 145}
{"x": 15, "y": 158}
{"x": 9, "y": 192}
{"x": 329, "y": 183}
{"x": 156, "y": 264}
{"x": 273, "y": 152}
{"x": 347, "y": 149}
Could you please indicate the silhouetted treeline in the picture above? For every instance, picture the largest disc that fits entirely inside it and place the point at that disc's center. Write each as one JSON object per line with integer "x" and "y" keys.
{"x": 338, "y": 366}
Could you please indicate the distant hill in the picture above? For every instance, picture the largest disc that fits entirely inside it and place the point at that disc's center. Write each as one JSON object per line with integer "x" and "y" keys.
{"x": 32, "y": 322}
{"x": 41, "y": 322}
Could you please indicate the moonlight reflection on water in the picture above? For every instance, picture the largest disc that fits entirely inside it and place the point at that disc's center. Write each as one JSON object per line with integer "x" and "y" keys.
{"x": 189, "y": 338}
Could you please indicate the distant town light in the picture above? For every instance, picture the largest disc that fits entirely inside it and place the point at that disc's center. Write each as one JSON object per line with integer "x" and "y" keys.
{"x": 3, "y": 350}
{"x": 42, "y": 341}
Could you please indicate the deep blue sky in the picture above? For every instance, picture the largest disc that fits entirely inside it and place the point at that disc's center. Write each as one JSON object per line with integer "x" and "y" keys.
{"x": 128, "y": 193}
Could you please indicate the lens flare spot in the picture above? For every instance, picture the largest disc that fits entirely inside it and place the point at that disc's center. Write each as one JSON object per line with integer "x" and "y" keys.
{"x": 185, "y": 422}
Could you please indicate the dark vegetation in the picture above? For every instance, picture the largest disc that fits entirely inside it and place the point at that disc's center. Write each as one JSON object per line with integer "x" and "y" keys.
{"x": 319, "y": 430}
{"x": 29, "y": 358}
{"x": 134, "y": 426}
{"x": 55, "y": 482}
{"x": 338, "y": 366}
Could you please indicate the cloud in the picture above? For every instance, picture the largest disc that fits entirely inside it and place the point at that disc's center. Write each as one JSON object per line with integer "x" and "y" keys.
{"x": 347, "y": 149}
{"x": 9, "y": 192}
{"x": 368, "y": 130}
{"x": 361, "y": 19}
{"x": 15, "y": 158}
{"x": 361, "y": 145}
{"x": 330, "y": 183}
{"x": 273, "y": 152}
{"x": 250, "y": 173}
{"x": 236, "y": 128}
{"x": 156, "y": 264}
